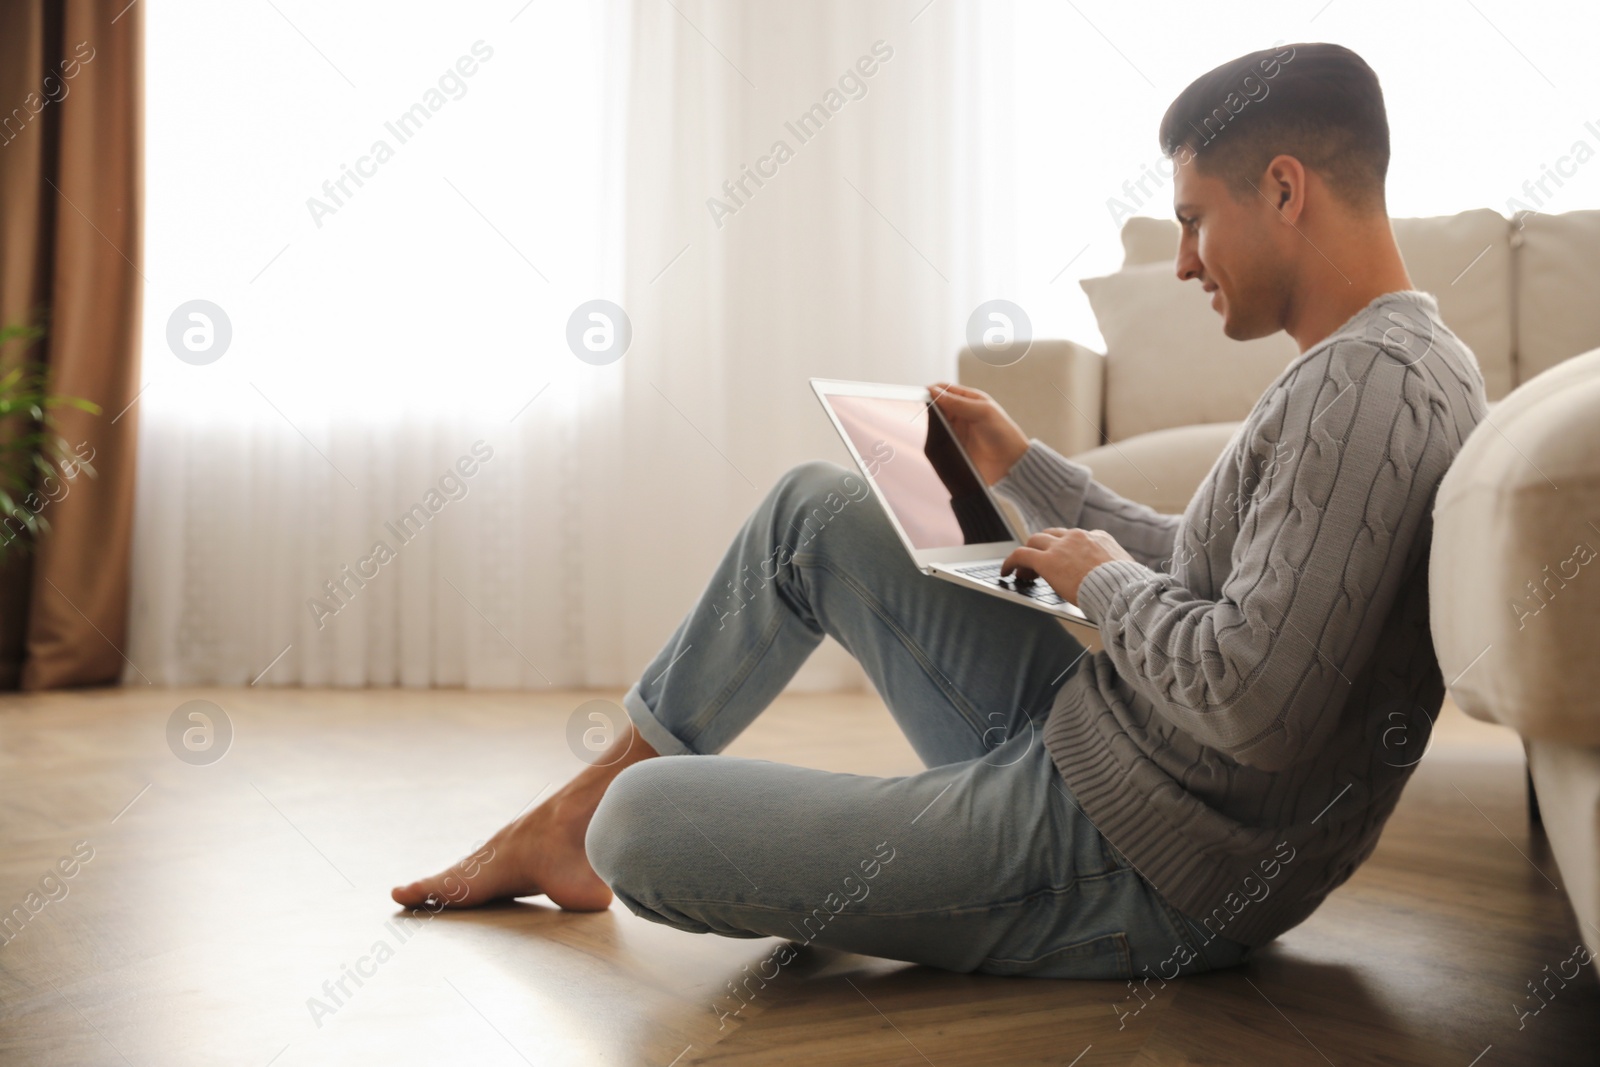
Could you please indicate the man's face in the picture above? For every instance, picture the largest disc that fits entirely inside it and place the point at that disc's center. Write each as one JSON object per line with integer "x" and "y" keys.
{"x": 1232, "y": 247}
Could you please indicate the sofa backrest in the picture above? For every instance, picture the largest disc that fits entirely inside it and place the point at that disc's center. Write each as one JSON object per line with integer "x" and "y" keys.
{"x": 1557, "y": 310}
{"x": 1465, "y": 260}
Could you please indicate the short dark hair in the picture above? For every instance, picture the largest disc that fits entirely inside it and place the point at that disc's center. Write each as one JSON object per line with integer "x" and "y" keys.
{"x": 1319, "y": 103}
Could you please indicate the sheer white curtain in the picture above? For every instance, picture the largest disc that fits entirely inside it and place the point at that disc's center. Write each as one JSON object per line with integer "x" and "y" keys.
{"x": 398, "y": 472}
{"x": 763, "y": 250}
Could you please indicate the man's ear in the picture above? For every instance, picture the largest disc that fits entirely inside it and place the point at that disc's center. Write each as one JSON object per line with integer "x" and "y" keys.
{"x": 1284, "y": 186}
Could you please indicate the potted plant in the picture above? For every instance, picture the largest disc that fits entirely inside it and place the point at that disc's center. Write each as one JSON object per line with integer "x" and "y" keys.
{"x": 36, "y": 463}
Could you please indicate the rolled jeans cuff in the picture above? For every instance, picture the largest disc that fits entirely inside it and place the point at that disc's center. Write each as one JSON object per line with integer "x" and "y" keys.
{"x": 657, "y": 736}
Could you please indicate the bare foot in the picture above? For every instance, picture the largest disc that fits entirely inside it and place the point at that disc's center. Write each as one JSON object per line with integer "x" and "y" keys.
{"x": 539, "y": 852}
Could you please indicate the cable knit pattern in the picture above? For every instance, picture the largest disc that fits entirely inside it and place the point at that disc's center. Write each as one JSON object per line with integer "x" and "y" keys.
{"x": 1268, "y": 678}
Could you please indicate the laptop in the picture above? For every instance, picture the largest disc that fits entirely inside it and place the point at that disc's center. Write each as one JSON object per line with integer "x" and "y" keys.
{"x": 948, "y": 519}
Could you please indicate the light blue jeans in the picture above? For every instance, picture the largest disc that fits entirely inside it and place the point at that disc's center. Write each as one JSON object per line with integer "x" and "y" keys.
{"x": 982, "y": 862}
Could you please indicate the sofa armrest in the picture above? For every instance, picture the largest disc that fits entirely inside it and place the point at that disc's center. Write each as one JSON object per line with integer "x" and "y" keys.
{"x": 1056, "y": 392}
{"x": 1514, "y": 565}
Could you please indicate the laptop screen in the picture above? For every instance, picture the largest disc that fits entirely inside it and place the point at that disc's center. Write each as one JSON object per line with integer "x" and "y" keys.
{"x": 921, "y": 472}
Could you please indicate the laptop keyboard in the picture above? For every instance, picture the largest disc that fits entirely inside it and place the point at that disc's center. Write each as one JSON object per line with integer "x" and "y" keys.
{"x": 989, "y": 574}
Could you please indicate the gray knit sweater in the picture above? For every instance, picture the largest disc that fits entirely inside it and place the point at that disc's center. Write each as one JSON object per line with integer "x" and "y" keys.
{"x": 1268, "y": 679}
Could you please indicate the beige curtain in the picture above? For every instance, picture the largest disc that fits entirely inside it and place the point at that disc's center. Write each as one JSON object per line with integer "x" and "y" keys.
{"x": 71, "y": 200}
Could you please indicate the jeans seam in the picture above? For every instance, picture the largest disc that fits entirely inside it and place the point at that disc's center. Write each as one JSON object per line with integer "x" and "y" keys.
{"x": 1173, "y": 915}
{"x": 1108, "y": 852}
{"x": 709, "y": 713}
{"x": 1181, "y": 923}
{"x": 967, "y": 710}
{"x": 1118, "y": 937}
{"x": 967, "y": 909}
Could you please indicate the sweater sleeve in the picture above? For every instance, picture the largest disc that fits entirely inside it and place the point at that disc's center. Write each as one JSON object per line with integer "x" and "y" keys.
{"x": 1050, "y": 490}
{"x": 1261, "y": 671}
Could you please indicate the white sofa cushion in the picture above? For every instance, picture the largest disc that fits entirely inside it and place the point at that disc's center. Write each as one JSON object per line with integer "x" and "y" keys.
{"x": 1161, "y": 469}
{"x": 1514, "y": 571}
{"x": 1463, "y": 260}
{"x": 1558, "y": 279}
{"x": 1168, "y": 363}
{"x": 1147, "y": 240}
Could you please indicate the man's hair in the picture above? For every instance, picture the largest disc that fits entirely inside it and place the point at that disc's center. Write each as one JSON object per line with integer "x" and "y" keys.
{"x": 1319, "y": 103}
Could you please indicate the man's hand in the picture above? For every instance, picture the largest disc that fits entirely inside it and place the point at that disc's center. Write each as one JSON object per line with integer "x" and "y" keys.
{"x": 988, "y": 434}
{"x": 1063, "y": 558}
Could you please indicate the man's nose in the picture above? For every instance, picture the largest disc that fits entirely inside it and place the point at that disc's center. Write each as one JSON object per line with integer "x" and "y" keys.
{"x": 1188, "y": 265}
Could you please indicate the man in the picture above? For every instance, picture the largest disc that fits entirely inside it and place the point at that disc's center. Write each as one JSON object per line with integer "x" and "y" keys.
{"x": 1160, "y": 807}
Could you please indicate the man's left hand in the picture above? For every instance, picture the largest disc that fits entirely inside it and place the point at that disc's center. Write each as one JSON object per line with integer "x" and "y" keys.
{"x": 1063, "y": 558}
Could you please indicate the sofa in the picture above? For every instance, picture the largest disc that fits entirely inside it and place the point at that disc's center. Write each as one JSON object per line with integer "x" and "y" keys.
{"x": 1518, "y": 511}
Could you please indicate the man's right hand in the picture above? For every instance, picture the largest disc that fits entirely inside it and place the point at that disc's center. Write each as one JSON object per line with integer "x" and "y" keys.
{"x": 990, "y": 436}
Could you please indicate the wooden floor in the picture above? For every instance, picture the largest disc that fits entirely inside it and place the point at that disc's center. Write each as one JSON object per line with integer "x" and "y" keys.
{"x": 220, "y": 898}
